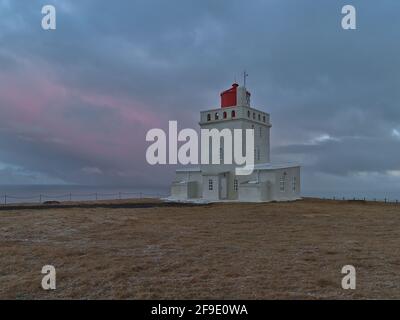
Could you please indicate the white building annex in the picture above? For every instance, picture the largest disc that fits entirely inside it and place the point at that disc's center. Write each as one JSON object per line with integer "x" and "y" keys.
{"x": 218, "y": 182}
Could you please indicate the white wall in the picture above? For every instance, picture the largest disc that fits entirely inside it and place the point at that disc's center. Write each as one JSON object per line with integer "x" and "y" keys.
{"x": 269, "y": 186}
{"x": 193, "y": 188}
{"x": 241, "y": 121}
{"x": 179, "y": 191}
{"x": 251, "y": 192}
{"x": 275, "y": 176}
{"x": 268, "y": 189}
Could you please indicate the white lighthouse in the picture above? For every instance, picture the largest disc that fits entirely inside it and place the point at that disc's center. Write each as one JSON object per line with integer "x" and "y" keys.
{"x": 219, "y": 182}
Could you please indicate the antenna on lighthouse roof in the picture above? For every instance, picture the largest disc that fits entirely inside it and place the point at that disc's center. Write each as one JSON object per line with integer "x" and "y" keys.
{"x": 245, "y": 75}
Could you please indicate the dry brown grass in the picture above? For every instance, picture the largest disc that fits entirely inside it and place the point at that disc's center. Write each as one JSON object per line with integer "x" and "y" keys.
{"x": 219, "y": 251}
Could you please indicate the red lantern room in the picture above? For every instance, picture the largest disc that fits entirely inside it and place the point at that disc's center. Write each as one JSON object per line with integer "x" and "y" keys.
{"x": 229, "y": 97}
{"x": 235, "y": 96}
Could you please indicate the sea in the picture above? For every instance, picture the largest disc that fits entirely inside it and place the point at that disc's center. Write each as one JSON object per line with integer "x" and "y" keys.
{"x": 13, "y": 194}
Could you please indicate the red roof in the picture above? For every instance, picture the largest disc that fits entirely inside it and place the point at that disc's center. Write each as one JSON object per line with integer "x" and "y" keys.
{"x": 229, "y": 97}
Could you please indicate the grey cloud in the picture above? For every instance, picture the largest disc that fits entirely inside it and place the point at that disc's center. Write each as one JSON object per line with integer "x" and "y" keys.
{"x": 349, "y": 155}
{"x": 175, "y": 57}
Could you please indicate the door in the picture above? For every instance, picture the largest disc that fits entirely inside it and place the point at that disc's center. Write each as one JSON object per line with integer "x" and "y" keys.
{"x": 223, "y": 187}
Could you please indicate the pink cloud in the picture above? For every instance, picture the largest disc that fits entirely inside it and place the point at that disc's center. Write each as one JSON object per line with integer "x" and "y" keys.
{"x": 34, "y": 103}
{"x": 132, "y": 111}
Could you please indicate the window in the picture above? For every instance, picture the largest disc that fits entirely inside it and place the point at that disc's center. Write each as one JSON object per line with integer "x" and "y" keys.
{"x": 254, "y": 115}
{"x": 263, "y": 118}
{"x": 208, "y": 117}
{"x": 260, "y": 131}
{"x": 221, "y": 155}
{"x": 235, "y": 185}
{"x": 210, "y": 185}
{"x": 233, "y": 114}
{"x": 248, "y": 114}
{"x": 294, "y": 183}
{"x": 258, "y": 154}
{"x": 259, "y": 117}
{"x": 216, "y": 116}
{"x": 224, "y": 115}
{"x": 282, "y": 184}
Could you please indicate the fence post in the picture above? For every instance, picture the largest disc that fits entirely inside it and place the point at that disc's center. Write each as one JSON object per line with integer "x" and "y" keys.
{"x": 5, "y": 199}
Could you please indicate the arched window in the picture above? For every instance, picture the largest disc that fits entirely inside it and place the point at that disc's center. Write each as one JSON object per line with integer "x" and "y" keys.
{"x": 233, "y": 114}
{"x": 224, "y": 114}
{"x": 216, "y": 116}
{"x": 208, "y": 117}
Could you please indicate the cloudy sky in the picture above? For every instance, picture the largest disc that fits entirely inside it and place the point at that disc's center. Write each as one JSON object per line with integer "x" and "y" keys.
{"x": 76, "y": 103}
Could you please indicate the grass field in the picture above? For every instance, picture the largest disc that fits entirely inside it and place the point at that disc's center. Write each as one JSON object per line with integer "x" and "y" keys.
{"x": 221, "y": 251}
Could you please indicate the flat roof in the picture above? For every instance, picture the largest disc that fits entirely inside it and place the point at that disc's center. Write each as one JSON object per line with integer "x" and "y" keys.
{"x": 188, "y": 169}
{"x": 259, "y": 166}
{"x": 271, "y": 166}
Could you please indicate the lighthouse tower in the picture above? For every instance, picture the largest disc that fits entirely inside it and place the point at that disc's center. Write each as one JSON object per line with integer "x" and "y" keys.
{"x": 216, "y": 182}
{"x": 236, "y": 113}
